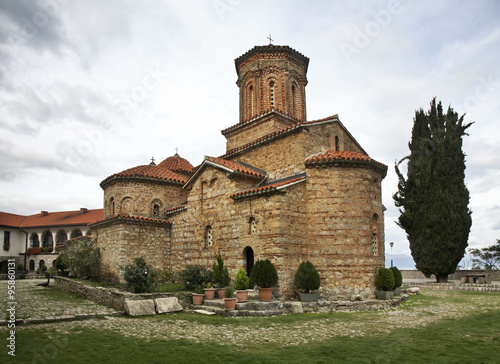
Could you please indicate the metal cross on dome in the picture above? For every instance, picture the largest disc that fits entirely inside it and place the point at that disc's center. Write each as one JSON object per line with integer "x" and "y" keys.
{"x": 271, "y": 40}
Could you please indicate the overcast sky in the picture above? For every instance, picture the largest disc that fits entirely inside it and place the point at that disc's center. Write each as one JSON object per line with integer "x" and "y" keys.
{"x": 90, "y": 88}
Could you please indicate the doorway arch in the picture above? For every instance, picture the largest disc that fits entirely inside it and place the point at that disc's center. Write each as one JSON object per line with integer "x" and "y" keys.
{"x": 248, "y": 258}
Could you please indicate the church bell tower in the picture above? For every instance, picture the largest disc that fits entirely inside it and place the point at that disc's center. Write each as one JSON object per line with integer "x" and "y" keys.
{"x": 272, "y": 78}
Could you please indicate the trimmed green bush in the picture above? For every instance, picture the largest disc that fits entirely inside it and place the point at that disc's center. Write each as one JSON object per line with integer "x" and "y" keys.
{"x": 229, "y": 293}
{"x": 264, "y": 274}
{"x": 398, "y": 277}
{"x": 241, "y": 280}
{"x": 307, "y": 277}
{"x": 220, "y": 273}
{"x": 140, "y": 277}
{"x": 195, "y": 275}
{"x": 198, "y": 289}
{"x": 20, "y": 266}
{"x": 384, "y": 280}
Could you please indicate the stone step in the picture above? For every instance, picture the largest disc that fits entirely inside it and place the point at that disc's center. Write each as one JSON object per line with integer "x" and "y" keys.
{"x": 249, "y": 305}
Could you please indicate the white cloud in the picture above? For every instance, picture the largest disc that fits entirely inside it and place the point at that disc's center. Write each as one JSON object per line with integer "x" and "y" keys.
{"x": 79, "y": 101}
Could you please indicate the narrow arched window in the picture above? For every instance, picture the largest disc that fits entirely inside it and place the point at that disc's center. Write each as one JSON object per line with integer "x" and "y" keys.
{"x": 252, "y": 226}
{"x": 271, "y": 93}
{"x": 374, "y": 238}
{"x": 112, "y": 206}
{"x": 156, "y": 210}
{"x": 337, "y": 143}
{"x": 32, "y": 265}
{"x": 209, "y": 241}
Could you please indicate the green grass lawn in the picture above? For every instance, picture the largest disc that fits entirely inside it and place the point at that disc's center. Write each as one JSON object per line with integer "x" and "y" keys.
{"x": 474, "y": 338}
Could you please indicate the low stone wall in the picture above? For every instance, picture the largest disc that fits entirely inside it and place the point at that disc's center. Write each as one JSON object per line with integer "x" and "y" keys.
{"x": 492, "y": 275}
{"x": 111, "y": 297}
{"x": 325, "y": 306}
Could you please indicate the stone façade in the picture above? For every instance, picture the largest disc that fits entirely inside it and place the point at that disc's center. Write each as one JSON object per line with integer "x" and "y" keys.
{"x": 286, "y": 189}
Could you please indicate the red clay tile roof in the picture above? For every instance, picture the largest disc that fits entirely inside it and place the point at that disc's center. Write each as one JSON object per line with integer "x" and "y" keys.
{"x": 128, "y": 217}
{"x": 232, "y": 167}
{"x": 58, "y": 218}
{"x": 236, "y": 167}
{"x": 271, "y": 48}
{"x": 10, "y": 220}
{"x": 281, "y": 133}
{"x": 270, "y": 187}
{"x": 146, "y": 172}
{"x": 175, "y": 209}
{"x": 176, "y": 163}
{"x": 344, "y": 157}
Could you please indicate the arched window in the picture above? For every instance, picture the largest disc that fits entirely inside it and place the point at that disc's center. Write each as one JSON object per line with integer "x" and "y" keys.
{"x": 32, "y": 265}
{"x": 209, "y": 241}
{"x": 35, "y": 242}
{"x": 112, "y": 206}
{"x": 41, "y": 263}
{"x": 76, "y": 233}
{"x": 375, "y": 242}
{"x": 156, "y": 208}
{"x": 337, "y": 143}
{"x": 61, "y": 237}
{"x": 251, "y": 102}
{"x": 252, "y": 226}
{"x": 47, "y": 239}
{"x": 271, "y": 93}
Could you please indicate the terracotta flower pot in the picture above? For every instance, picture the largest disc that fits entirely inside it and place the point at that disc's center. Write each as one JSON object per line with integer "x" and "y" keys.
{"x": 209, "y": 293}
{"x": 265, "y": 294}
{"x": 242, "y": 295}
{"x": 221, "y": 292}
{"x": 230, "y": 304}
{"x": 197, "y": 299}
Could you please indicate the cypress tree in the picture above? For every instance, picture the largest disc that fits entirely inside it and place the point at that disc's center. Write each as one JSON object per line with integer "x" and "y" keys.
{"x": 433, "y": 198}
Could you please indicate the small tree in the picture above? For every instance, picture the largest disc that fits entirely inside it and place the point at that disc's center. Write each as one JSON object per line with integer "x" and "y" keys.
{"x": 84, "y": 259}
{"x": 384, "y": 280}
{"x": 140, "y": 277}
{"x": 486, "y": 258}
{"x": 307, "y": 277}
{"x": 398, "y": 277}
{"x": 220, "y": 273}
{"x": 264, "y": 274}
{"x": 241, "y": 280}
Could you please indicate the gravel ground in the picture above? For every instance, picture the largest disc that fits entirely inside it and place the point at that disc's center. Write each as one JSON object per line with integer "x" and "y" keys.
{"x": 414, "y": 315}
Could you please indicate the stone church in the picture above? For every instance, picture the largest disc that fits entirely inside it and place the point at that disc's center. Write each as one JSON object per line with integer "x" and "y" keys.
{"x": 286, "y": 189}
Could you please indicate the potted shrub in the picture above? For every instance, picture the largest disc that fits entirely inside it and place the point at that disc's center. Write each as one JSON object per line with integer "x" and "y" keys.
{"x": 307, "y": 279}
{"x": 220, "y": 276}
{"x": 229, "y": 300}
{"x": 241, "y": 283}
{"x": 209, "y": 291}
{"x": 384, "y": 282}
{"x": 398, "y": 280}
{"x": 198, "y": 295}
{"x": 264, "y": 275}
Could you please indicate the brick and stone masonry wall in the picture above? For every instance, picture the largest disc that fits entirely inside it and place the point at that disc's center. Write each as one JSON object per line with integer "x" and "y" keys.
{"x": 136, "y": 198}
{"x": 122, "y": 241}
